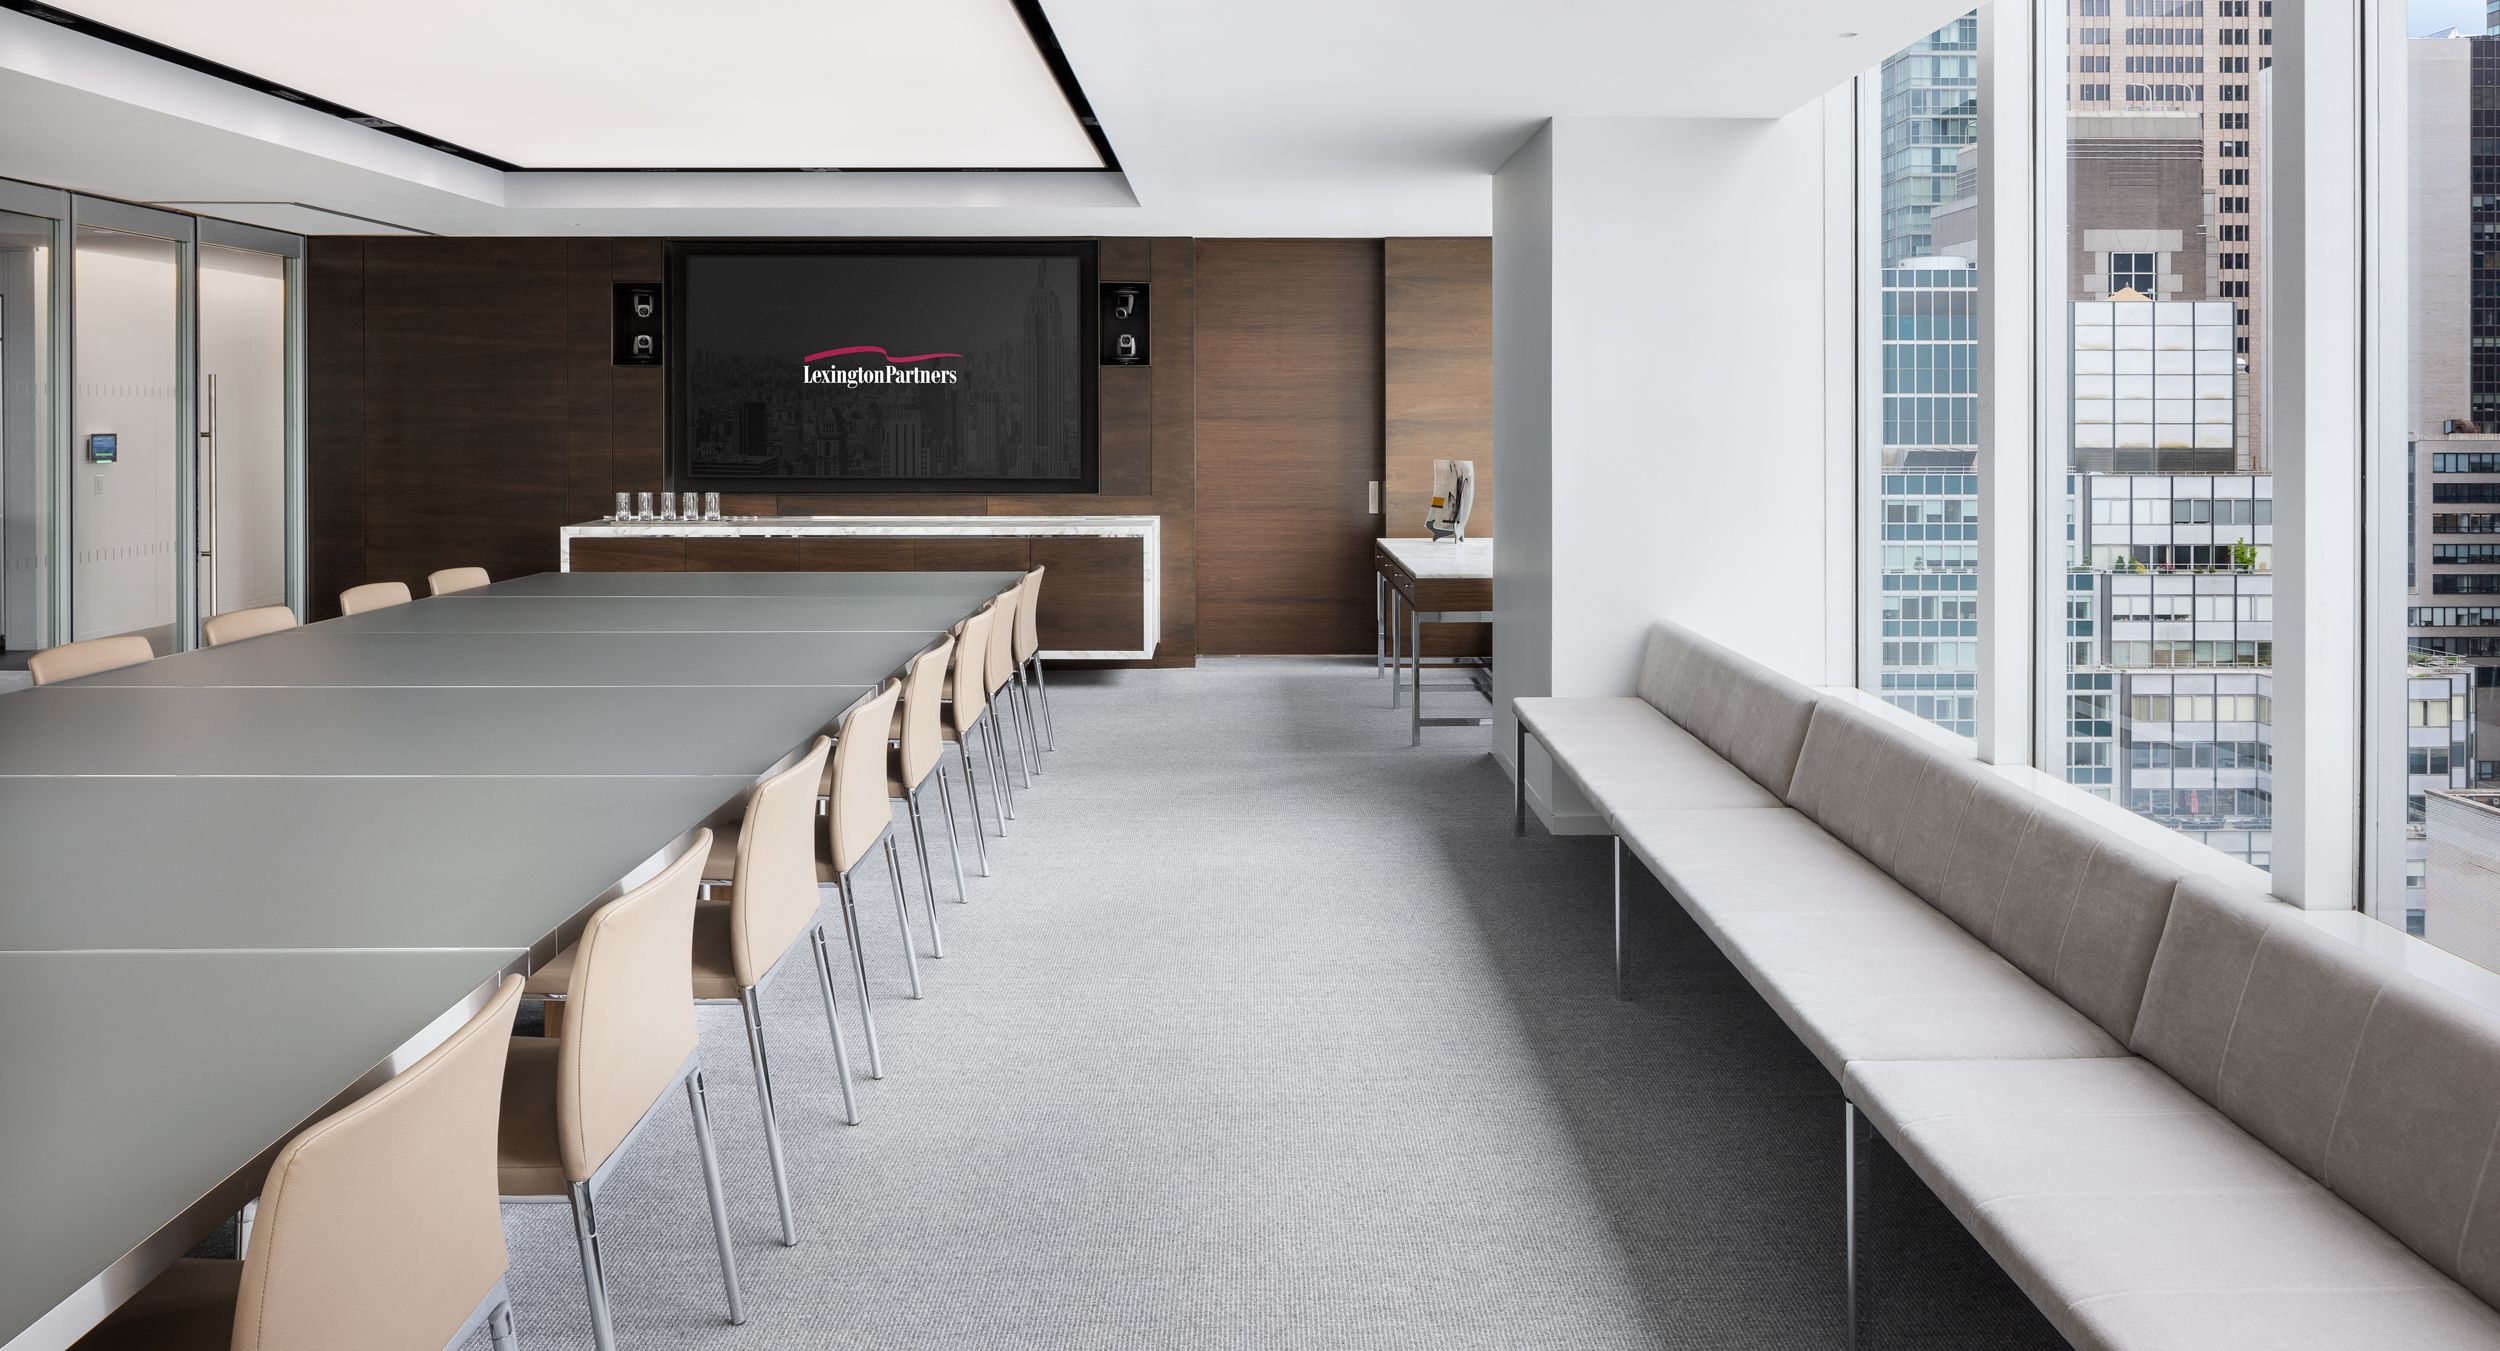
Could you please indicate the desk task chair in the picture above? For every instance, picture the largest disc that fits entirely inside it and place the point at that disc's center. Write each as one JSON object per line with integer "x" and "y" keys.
{"x": 967, "y": 710}
{"x": 1028, "y": 654}
{"x": 857, "y": 820}
{"x": 355, "y": 600}
{"x": 571, "y": 1104}
{"x": 378, "y": 1225}
{"x": 236, "y": 625}
{"x": 919, "y": 737}
{"x": 1001, "y": 666}
{"x": 72, "y": 660}
{"x": 448, "y": 580}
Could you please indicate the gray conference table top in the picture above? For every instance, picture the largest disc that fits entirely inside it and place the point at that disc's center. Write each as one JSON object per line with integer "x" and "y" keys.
{"x": 326, "y": 654}
{"x": 972, "y": 586}
{"x": 924, "y": 615}
{"x": 291, "y": 862}
{"x": 233, "y": 882}
{"x": 138, "y": 1083}
{"x": 98, "y": 729}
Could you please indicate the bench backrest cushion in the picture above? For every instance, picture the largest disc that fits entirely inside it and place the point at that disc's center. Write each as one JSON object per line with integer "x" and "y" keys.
{"x": 2076, "y": 908}
{"x": 2379, "y": 1085}
{"x": 1753, "y": 716}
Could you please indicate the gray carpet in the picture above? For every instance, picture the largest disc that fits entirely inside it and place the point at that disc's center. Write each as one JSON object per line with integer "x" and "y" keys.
{"x": 1268, "y": 1034}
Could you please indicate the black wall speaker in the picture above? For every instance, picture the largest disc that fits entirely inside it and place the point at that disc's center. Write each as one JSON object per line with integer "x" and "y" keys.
{"x": 1124, "y": 323}
{"x": 635, "y": 328}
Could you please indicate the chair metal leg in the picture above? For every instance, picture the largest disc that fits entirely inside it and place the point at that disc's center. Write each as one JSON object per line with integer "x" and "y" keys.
{"x": 859, "y": 976}
{"x": 996, "y": 753}
{"x": 1029, "y": 723}
{"x": 954, "y": 844}
{"x": 833, "y": 1024}
{"x": 902, "y": 914}
{"x": 499, "y": 1330}
{"x": 1619, "y": 994}
{"x": 928, "y": 879}
{"x": 1849, "y": 1209}
{"x": 1006, "y": 698}
{"x": 594, "y": 1272}
{"x": 1519, "y": 776}
{"x": 1050, "y": 729}
{"x": 972, "y": 790}
{"x": 712, "y": 1193}
{"x": 751, "y": 1004}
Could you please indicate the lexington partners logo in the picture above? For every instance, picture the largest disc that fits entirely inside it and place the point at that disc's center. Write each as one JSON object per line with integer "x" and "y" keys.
{"x": 895, "y": 371}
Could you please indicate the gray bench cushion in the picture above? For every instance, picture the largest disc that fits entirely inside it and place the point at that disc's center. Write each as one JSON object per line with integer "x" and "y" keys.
{"x": 1858, "y": 966}
{"x": 1747, "y": 712}
{"x": 2373, "y": 1082}
{"x": 2137, "y": 1216}
{"x": 1626, "y": 754}
{"x": 2074, "y": 907}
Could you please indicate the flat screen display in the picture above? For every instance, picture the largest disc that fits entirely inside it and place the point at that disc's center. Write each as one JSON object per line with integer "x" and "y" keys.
{"x": 883, "y": 367}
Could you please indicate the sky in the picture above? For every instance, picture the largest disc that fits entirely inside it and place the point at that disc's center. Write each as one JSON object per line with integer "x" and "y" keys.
{"x": 2429, "y": 16}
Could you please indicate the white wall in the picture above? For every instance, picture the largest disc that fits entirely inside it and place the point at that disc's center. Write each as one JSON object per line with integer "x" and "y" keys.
{"x": 1661, "y": 320}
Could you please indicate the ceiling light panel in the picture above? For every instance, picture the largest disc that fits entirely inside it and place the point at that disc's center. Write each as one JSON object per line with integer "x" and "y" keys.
{"x": 659, "y": 84}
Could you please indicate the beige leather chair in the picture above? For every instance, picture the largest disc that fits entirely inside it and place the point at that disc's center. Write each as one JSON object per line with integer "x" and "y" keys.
{"x": 1028, "y": 653}
{"x": 377, "y": 1227}
{"x": 236, "y": 625}
{"x": 572, "y": 1103}
{"x": 767, "y": 865}
{"x": 967, "y": 707}
{"x": 355, "y": 600}
{"x": 919, "y": 736}
{"x": 448, "y": 580}
{"x": 858, "y": 818}
{"x": 72, "y": 660}
{"x": 1002, "y": 676}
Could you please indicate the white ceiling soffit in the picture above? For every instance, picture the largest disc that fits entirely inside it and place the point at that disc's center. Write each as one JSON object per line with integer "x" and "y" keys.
{"x": 1285, "y": 117}
{"x": 294, "y": 218}
{"x": 656, "y": 84}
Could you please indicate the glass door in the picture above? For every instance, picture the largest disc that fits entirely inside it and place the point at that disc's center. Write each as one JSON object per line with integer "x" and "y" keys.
{"x": 131, "y": 423}
{"x": 28, "y": 248}
{"x": 241, "y": 464}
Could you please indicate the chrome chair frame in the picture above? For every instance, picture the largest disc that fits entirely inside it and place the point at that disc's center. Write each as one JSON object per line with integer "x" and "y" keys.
{"x": 583, "y": 1198}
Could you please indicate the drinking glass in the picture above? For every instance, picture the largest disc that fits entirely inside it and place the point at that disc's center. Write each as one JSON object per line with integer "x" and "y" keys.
{"x": 624, "y": 507}
{"x": 642, "y": 507}
{"x": 711, "y": 506}
{"x": 687, "y": 507}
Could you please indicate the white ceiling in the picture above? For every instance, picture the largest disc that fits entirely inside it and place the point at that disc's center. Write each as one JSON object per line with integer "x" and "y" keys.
{"x": 1283, "y": 117}
{"x": 648, "y": 84}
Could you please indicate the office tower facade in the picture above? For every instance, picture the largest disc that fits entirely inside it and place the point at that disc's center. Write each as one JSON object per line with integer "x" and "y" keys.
{"x": 1929, "y": 112}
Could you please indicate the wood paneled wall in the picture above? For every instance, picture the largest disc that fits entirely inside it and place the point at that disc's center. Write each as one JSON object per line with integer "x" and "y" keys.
{"x": 463, "y": 408}
{"x": 1289, "y": 436}
{"x": 1438, "y": 327}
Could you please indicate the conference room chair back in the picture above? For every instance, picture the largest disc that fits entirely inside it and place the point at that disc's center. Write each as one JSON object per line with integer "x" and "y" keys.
{"x": 919, "y": 755}
{"x": 966, "y": 701}
{"x": 448, "y": 580}
{"x": 770, "y": 910}
{"x": 1029, "y": 650}
{"x": 355, "y": 600}
{"x": 236, "y": 625}
{"x": 72, "y": 660}
{"x": 1001, "y": 666}
{"x": 377, "y": 1226}
{"x": 572, "y": 1103}
{"x": 858, "y": 818}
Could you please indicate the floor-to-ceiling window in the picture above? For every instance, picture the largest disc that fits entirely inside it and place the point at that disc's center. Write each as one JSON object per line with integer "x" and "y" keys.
{"x": 1919, "y": 575}
{"x": 2157, "y": 278}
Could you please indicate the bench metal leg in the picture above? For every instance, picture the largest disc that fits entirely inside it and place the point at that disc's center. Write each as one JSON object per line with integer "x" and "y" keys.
{"x": 1395, "y": 671}
{"x": 1415, "y": 620}
{"x": 1619, "y": 994}
{"x": 1519, "y": 775}
{"x": 1849, "y": 1209}
{"x": 1380, "y": 623}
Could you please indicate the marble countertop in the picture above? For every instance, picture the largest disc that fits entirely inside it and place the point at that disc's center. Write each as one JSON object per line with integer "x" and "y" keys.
{"x": 1437, "y": 558}
{"x": 876, "y": 525}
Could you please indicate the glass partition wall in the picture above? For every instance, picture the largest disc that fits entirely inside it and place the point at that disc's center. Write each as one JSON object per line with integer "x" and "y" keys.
{"x": 150, "y": 420}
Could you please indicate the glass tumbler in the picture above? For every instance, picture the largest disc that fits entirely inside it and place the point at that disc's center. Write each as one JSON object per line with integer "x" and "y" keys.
{"x": 624, "y": 507}
{"x": 687, "y": 507}
{"x": 642, "y": 507}
{"x": 711, "y": 506}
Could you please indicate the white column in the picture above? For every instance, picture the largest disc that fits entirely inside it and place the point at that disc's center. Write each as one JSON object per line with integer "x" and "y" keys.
{"x": 2009, "y": 421}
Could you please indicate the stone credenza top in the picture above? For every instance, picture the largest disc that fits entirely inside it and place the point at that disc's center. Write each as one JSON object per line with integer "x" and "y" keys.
{"x": 871, "y": 526}
{"x": 1439, "y": 559}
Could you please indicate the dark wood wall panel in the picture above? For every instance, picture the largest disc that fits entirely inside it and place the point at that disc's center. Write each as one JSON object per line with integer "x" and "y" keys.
{"x": 1093, "y": 597}
{"x": 1288, "y": 377}
{"x": 1438, "y": 375}
{"x": 334, "y": 417}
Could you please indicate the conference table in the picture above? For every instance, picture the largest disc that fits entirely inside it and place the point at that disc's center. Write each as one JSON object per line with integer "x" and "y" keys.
{"x": 241, "y": 886}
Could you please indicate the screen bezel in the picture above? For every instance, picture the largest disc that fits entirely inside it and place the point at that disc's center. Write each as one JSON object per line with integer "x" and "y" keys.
{"x": 1088, "y": 339}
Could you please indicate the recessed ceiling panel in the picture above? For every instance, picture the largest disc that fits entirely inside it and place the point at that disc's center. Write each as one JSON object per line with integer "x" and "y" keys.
{"x": 661, "y": 84}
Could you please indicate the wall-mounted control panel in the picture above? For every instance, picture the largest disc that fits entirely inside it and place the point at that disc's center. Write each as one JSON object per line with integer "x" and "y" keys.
{"x": 1124, "y": 323}
{"x": 635, "y": 325}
